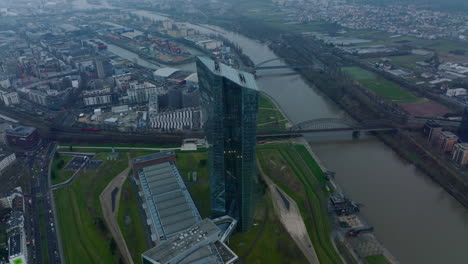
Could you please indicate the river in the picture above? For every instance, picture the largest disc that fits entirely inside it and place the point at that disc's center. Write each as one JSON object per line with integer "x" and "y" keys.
{"x": 413, "y": 217}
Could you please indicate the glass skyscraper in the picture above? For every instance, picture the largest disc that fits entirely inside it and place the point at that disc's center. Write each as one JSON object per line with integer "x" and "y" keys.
{"x": 229, "y": 100}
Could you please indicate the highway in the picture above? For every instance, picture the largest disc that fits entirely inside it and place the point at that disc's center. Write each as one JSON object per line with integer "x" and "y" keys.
{"x": 41, "y": 204}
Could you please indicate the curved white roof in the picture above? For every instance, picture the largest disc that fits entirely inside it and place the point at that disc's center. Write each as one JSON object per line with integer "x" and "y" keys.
{"x": 165, "y": 72}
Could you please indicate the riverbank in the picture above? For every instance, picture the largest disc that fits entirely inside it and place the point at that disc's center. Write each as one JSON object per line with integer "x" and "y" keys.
{"x": 340, "y": 239}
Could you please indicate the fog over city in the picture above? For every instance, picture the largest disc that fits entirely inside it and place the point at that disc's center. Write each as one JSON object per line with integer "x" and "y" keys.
{"x": 234, "y": 131}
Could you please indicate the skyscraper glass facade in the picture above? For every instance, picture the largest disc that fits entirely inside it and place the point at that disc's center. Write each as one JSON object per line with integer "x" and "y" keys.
{"x": 229, "y": 99}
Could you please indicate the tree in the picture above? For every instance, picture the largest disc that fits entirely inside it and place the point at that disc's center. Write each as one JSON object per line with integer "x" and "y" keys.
{"x": 112, "y": 245}
{"x": 71, "y": 148}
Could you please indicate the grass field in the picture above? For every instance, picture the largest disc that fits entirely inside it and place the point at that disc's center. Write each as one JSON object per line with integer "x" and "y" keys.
{"x": 269, "y": 118}
{"x": 130, "y": 221}
{"x": 274, "y": 245}
{"x": 188, "y": 163}
{"x": 377, "y": 259}
{"x": 84, "y": 235}
{"x": 381, "y": 86}
{"x": 288, "y": 166}
{"x": 61, "y": 175}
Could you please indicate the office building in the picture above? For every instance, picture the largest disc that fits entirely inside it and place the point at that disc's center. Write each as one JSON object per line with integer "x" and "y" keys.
{"x": 460, "y": 153}
{"x": 446, "y": 141}
{"x": 229, "y": 99}
{"x": 22, "y": 137}
{"x": 103, "y": 68}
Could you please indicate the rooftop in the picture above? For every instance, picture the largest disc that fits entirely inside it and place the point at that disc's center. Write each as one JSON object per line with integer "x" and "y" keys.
{"x": 165, "y": 72}
{"x": 448, "y": 134}
{"x": 191, "y": 240}
{"x": 241, "y": 78}
{"x": 169, "y": 203}
{"x": 462, "y": 146}
{"x": 21, "y": 131}
{"x": 154, "y": 156}
{"x": 14, "y": 245}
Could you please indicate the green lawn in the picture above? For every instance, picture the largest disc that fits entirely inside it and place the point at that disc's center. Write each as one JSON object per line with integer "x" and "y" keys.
{"x": 59, "y": 174}
{"x": 288, "y": 166}
{"x": 188, "y": 163}
{"x": 130, "y": 221}
{"x": 377, "y": 259}
{"x": 388, "y": 90}
{"x": 275, "y": 239}
{"x": 269, "y": 118}
{"x": 84, "y": 235}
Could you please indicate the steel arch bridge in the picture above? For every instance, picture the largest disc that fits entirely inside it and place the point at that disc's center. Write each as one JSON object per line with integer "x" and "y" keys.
{"x": 267, "y": 61}
{"x": 337, "y": 123}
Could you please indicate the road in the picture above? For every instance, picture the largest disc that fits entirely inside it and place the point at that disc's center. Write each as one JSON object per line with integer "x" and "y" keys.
{"x": 291, "y": 219}
{"x": 117, "y": 148}
{"x": 39, "y": 166}
{"x": 110, "y": 215}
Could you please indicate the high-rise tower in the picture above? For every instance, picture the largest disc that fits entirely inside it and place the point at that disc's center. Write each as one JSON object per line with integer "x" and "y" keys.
{"x": 229, "y": 100}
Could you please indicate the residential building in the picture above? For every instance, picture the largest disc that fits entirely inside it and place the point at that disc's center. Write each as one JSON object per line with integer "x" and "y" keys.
{"x": 460, "y": 153}
{"x": 446, "y": 141}
{"x": 229, "y": 99}
{"x": 6, "y": 159}
{"x": 10, "y": 98}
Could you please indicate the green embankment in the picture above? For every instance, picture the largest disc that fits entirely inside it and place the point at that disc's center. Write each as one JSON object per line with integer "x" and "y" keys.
{"x": 388, "y": 90}
{"x": 274, "y": 245}
{"x": 130, "y": 221}
{"x": 270, "y": 118}
{"x": 84, "y": 234}
{"x": 290, "y": 167}
{"x": 59, "y": 174}
{"x": 377, "y": 259}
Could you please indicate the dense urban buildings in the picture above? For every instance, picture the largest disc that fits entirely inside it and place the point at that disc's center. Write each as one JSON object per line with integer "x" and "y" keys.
{"x": 229, "y": 99}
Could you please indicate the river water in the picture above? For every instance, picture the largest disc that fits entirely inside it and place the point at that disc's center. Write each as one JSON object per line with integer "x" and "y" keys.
{"x": 413, "y": 217}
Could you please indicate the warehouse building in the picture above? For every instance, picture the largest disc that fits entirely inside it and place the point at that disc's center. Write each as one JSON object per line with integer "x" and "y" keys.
{"x": 179, "y": 233}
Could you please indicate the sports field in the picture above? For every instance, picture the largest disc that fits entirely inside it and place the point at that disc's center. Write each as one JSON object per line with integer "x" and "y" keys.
{"x": 84, "y": 234}
{"x": 388, "y": 90}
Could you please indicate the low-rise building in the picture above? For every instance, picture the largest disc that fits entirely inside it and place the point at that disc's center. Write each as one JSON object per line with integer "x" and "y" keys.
{"x": 460, "y": 153}
{"x": 22, "y": 137}
{"x": 446, "y": 141}
{"x": 6, "y": 159}
{"x": 10, "y": 98}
